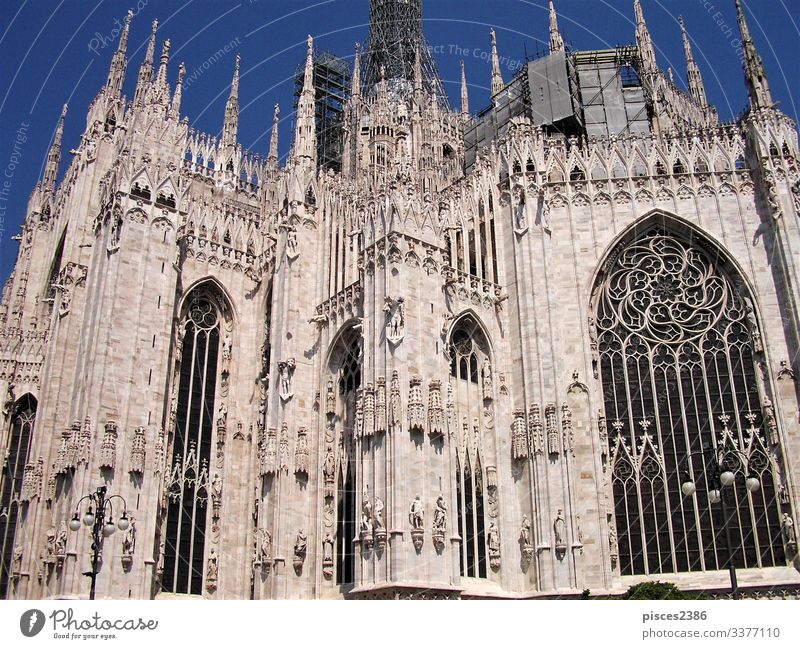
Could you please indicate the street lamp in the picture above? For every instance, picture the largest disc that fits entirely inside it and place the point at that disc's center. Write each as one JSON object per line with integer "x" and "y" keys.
{"x": 100, "y": 526}
{"x": 721, "y": 479}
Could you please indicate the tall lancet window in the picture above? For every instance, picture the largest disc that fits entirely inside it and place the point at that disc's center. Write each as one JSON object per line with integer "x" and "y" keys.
{"x": 470, "y": 398}
{"x": 344, "y": 386}
{"x": 678, "y": 342}
{"x": 184, "y": 532}
{"x": 18, "y": 442}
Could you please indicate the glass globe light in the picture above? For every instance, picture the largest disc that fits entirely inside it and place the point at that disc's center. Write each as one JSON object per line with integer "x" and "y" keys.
{"x": 688, "y": 488}
{"x": 123, "y": 522}
{"x": 726, "y": 478}
{"x": 75, "y": 523}
{"x": 752, "y": 484}
{"x": 109, "y": 528}
{"x": 714, "y": 496}
{"x": 88, "y": 518}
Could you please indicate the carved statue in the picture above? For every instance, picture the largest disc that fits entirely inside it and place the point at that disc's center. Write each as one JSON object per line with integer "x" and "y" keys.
{"x": 789, "y": 534}
{"x": 493, "y": 539}
{"x": 417, "y": 514}
{"x": 211, "y": 569}
{"x": 61, "y": 541}
{"x": 327, "y": 554}
{"x": 222, "y": 414}
{"x": 264, "y": 547}
{"x": 560, "y": 530}
{"x": 291, "y": 243}
{"x": 770, "y": 423}
{"x": 226, "y": 352}
{"x": 50, "y": 544}
{"x": 300, "y": 544}
{"x": 216, "y": 494}
{"x": 378, "y": 520}
{"x": 525, "y": 532}
{"x": 129, "y": 540}
{"x": 329, "y": 470}
{"x": 16, "y": 559}
{"x": 330, "y": 399}
{"x": 520, "y": 222}
{"x": 286, "y": 369}
{"x": 486, "y": 374}
{"x": 440, "y": 515}
{"x": 366, "y": 514}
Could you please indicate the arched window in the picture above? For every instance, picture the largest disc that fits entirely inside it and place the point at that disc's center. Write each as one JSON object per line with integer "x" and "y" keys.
{"x": 469, "y": 391}
{"x": 345, "y": 374}
{"x": 188, "y": 486}
{"x": 677, "y": 336}
{"x": 23, "y": 418}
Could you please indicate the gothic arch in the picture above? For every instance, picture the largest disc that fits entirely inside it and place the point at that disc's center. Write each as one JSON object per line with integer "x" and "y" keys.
{"x": 213, "y": 288}
{"x": 676, "y": 336}
{"x": 476, "y": 322}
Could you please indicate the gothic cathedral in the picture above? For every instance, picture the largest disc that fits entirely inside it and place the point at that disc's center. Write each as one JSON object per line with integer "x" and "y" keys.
{"x": 547, "y": 348}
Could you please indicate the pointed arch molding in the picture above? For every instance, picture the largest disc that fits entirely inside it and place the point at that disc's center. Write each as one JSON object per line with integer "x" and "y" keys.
{"x": 477, "y": 323}
{"x": 676, "y": 337}
{"x": 214, "y": 288}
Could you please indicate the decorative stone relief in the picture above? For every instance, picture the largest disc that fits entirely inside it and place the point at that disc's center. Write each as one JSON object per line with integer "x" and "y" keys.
{"x": 486, "y": 378}
{"x": 216, "y": 495}
{"x": 32, "y": 480}
{"x": 435, "y": 410}
{"x": 602, "y": 431}
{"x": 284, "y": 448}
{"x": 519, "y": 209}
{"x": 50, "y": 493}
{"x": 593, "y": 345}
{"x": 263, "y": 552}
{"x": 416, "y": 518}
{"x": 300, "y": 549}
{"x": 566, "y": 428}
{"x": 493, "y": 542}
{"x": 439, "y": 523}
{"x": 137, "y": 451}
{"x": 519, "y": 436}
{"x": 553, "y": 441}
{"x": 416, "y": 407}
{"x": 329, "y": 472}
{"x": 285, "y": 372}
{"x": 301, "y": 452}
{"x": 222, "y": 433}
{"x": 395, "y": 311}
{"x": 359, "y": 423}
{"x": 613, "y": 548}
{"x": 395, "y": 407}
{"x": 108, "y": 447}
{"x": 85, "y": 443}
{"x": 16, "y": 561}
{"x": 789, "y": 533}
{"x": 368, "y": 427}
{"x": 380, "y": 406}
{"x": 752, "y": 324}
{"x": 536, "y": 429}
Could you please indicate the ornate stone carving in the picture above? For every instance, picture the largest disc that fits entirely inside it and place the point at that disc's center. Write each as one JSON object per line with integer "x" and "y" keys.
{"x": 416, "y": 407}
{"x": 330, "y": 399}
{"x": 602, "y": 431}
{"x": 435, "y": 410}
{"x": 486, "y": 379}
{"x": 300, "y": 549}
{"x": 211, "y": 571}
{"x": 789, "y": 534}
{"x": 108, "y": 447}
{"x": 285, "y": 372}
{"x": 770, "y": 423}
{"x": 301, "y": 452}
{"x": 395, "y": 407}
{"x": 378, "y": 524}
{"x": 535, "y": 429}
{"x": 366, "y": 522}
{"x": 137, "y": 451}
{"x": 32, "y": 480}
{"x": 553, "y": 441}
{"x": 263, "y": 554}
{"x": 380, "y": 406}
{"x": 85, "y": 442}
{"x": 439, "y": 523}
{"x": 416, "y": 518}
{"x": 519, "y": 436}
{"x": 283, "y": 457}
{"x": 216, "y": 495}
{"x": 129, "y": 545}
{"x": 368, "y": 427}
{"x": 329, "y": 472}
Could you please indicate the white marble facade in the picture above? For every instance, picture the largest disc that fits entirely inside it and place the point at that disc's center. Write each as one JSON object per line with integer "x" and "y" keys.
{"x": 393, "y": 381}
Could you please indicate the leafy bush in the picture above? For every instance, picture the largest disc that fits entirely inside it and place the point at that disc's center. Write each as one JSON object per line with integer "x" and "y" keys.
{"x": 658, "y": 590}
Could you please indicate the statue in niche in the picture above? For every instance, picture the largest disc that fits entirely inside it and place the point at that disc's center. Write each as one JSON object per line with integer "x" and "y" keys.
{"x": 61, "y": 541}
{"x": 789, "y": 534}
{"x": 366, "y": 522}
{"x": 299, "y": 551}
{"x": 327, "y": 555}
{"x": 486, "y": 375}
{"x": 752, "y": 324}
{"x": 520, "y": 222}
{"x": 544, "y": 212}
{"x": 216, "y": 495}
{"x": 493, "y": 541}
{"x": 129, "y": 540}
{"x": 328, "y": 471}
{"x": 560, "y": 531}
{"x": 525, "y": 532}
{"x": 50, "y": 544}
{"x": 286, "y": 369}
{"x": 291, "y": 243}
{"x": 16, "y": 560}
{"x": 330, "y": 398}
{"x": 378, "y": 519}
{"x": 416, "y": 516}
{"x": 211, "y": 570}
{"x": 222, "y": 414}
{"x": 263, "y": 548}
{"x": 770, "y": 423}
{"x": 226, "y": 352}
{"x": 439, "y": 523}
{"x": 395, "y": 318}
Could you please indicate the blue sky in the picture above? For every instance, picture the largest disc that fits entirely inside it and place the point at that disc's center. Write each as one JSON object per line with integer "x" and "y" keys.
{"x": 54, "y": 52}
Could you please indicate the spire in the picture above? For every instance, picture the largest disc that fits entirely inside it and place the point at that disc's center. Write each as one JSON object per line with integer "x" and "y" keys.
{"x": 176, "y": 98}
{"x": 497, "y": 77}
{"x": 417, "y": 72}
{"x": 643, "y": 40}
{"x": 305, "y": 134}
{"x": 161, "y": 80}
{"x": 273, "y": 140}
{"x": 146, "y": 70}
{"x": 556, "y": 42}
{"x": 230, "y": 127}
{"x": 464, "y": 93}
{"x": 696, "y": 87}
{"x": 755, "y": 76}
{"x": 54, "y": 155}
{"x": 355, "y": 81}
{"x": 116, "y": 73}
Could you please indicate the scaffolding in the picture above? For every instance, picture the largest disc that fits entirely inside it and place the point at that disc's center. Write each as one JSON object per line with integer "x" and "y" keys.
{"x": 395, "y": 38}
{"x": 331, "y": 88}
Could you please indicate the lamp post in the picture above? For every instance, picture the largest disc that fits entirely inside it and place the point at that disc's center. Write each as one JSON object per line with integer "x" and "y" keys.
{"x": 99, "y": 525}
{"x": 721, "y": 478}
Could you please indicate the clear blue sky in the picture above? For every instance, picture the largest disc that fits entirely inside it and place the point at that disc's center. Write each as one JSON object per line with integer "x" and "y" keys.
{"x": 56, "y": 52}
